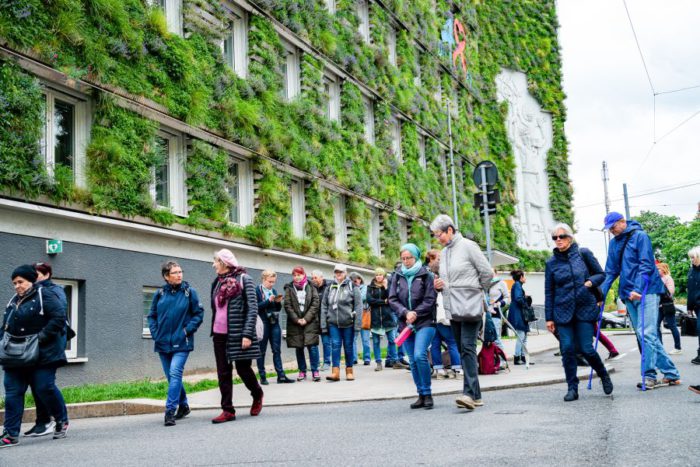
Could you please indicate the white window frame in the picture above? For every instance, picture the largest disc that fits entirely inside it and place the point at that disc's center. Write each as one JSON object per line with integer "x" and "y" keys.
{"x": 298, "y": 207}
{"x": 81, "y": 133}
{"x": 369, "y": 119}
{"x": 403, "y": 230}
{"x": 374, "y": 233}
{"x": 292, "y": 83}
{"x": 330, "y": 6}
{"x": 396, "y": 138}
{"x": 245, "y": 192}
{"x": 332, "y": 87}
{"x": 341, "y": 226}
{"x": 363, "y": 15}
{"x": 237, "y": 39}
{"x": 421, "y": 151}
{"x": 72, "y": 315}
{"x": 146, "y": 331}
{"x": 391, "y": 44}
{"x": 177, "y": 188}
{"x": 173, "y": 14}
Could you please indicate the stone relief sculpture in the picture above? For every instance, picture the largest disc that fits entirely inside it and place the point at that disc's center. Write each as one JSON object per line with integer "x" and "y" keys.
{"x": 530, "y": 134}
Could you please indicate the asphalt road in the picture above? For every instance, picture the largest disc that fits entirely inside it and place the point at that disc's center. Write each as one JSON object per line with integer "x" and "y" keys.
{"x": 530, "y": 426}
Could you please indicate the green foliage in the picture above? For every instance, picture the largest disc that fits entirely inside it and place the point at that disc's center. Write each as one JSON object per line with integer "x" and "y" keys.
{"x": 207, "y": 178}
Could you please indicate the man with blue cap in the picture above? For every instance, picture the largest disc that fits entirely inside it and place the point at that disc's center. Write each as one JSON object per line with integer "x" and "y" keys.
{"x": 631, "y": 258}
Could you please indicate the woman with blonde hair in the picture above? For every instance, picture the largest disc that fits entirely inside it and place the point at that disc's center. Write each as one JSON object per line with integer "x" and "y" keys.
{"x": 667, "y": 309}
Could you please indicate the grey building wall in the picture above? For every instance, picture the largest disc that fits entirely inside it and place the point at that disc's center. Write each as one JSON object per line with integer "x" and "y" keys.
{"x": 111, "y": 306}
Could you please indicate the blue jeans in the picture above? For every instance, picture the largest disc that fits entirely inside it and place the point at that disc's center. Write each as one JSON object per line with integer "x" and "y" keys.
{"x": 326, "y": 342}
{"x": 417, "y": 346}
{"x": 654, "y": 354}
{"x": 670, "y": 321}
{"x": 390, "y": 346}
{"x": 173, "y": 367}
{"x": 444, "y": 334}
{"x": 497, "y": 324}
{"x": 42, "y": 412}
{"x": 273, "y": 334}
{"x": 519, "y": 351}
{"x": 341, "y": 337}
{"x": 366, "y": 356}
{"x": 577, "y": 337}
{"x": 313, "y": 358}
{"x": 16, "y": 383}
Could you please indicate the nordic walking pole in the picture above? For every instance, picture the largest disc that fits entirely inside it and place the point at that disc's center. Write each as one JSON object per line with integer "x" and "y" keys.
{"x": 597, "y": 338}
{"x": 643, "y": 302}
{"x": 510, "y": 326}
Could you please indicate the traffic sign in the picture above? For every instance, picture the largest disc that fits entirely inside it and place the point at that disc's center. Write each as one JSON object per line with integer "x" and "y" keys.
{"x": 54, "y": 246}
{"x": 491, "y": 173}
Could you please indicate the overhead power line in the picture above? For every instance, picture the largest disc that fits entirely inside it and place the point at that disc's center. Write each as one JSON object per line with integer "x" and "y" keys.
{"x": 678, "y": 90}
{"x": 653, "y": 191}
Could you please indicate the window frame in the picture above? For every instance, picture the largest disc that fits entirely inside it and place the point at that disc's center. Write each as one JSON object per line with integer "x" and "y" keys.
{"x": 422, "y": 160}
{"x": 391, "y": 44}
{"x": 297, "y": 196}
{"x": 396, "y": 136}
{"x": 173, "y": 14}
{"x": 146, "y": 331}
{"x": 362, "y": 12}
{"x": 340, "y": 223}
{"x": 331, "y": 85}
{"x": 74, "y": 316}
{"x": 245, "y": 191}
{"x": 403, "y": 230}
{"x": 330, "y": 6}
{"x": 237, "y": 38}
{"x": 369, "y": 127}
{"x": 375, "y": 232}
{"x": 177, "y": 187}
{"x": 292, "y": 72}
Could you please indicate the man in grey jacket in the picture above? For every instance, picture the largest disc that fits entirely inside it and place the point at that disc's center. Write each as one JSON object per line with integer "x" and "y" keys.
{"x": 465, "y": 275}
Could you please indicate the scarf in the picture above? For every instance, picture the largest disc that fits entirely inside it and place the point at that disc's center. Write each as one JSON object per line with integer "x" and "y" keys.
{"x": 301, "y": 284}
{"x": 410, "y": 274}
{"x": 228, "y": 286}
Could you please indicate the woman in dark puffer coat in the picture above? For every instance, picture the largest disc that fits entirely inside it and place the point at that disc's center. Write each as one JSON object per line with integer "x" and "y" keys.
{"x": 572, "y": 276}
{"x": 302, "y": 306}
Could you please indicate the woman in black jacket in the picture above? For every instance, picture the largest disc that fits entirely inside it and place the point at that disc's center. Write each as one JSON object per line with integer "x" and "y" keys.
{"x": 572, "y": 276}
{"x": 303, "y": 308}
{"x": 33, "y": 310}
{"x": 694, "y": 291}
{"x": 383, "y": 319}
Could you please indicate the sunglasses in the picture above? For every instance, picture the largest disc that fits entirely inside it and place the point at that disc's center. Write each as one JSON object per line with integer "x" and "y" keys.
{"x": 559, "y": 237}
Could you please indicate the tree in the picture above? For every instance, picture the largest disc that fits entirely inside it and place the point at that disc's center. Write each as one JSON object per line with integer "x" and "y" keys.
{"x": 680, "y": 240}
{"x": 658, "y": 227}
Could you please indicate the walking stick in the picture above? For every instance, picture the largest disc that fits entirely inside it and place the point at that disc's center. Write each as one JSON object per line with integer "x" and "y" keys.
{"x": 643, "y": 301}
{"x": 597, "y": 338}
{"x": 527, "y": 360}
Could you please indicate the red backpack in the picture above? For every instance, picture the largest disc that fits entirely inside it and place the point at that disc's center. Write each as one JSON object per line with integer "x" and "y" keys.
{"x": 489, "y": 358}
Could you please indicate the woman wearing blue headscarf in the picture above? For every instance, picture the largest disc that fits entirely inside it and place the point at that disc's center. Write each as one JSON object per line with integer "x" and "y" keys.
{"x": 412, "y": 296}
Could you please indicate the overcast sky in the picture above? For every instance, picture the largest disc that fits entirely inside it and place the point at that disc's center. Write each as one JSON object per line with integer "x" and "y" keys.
{"x": 610, "y": 106}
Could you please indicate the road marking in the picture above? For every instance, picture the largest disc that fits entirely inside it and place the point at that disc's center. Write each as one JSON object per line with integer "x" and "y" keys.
{"x": 633, "y": 349}
{"x": 619, "y": 357}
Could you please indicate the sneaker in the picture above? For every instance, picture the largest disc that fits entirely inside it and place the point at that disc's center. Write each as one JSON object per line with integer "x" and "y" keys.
{"x": 478, "y": 403}
{"x": 257, "y": 406}
{"x": 607, "y": 384}
{"x": 571, "y": 396}
{"x": 400, "y": 366}
{"x": 433, "y": 373}
{"x": 676, "y": 352}
{"x": 443, "y": 374}
{"x": 452, "y": 374}
{"x": 650, "y": 384}
{"x": 61, "y": 430}
{"x": 695, "y": 389}
{"x": 324, "y": 367}
{"x": 378, "y": 367}
{"x": 224, "y": 417}
{"x": 315, "y": 376}
{"x": 459, "y": 374}
{"x": 367, "y": 362}
{"x": 613, "y": 355}
{"x": 40, "y": 429}
{"x": 671, "y": 382}
{"x": 7, "y": 440}
{"x": 182, "y": 411}
{"x": 466, "y": 402}
{"x": 696, "y": 360}
{"x": 302, "y": 376}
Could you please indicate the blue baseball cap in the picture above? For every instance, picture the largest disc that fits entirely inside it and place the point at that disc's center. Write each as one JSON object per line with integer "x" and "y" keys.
{"x": 611, "y": 219}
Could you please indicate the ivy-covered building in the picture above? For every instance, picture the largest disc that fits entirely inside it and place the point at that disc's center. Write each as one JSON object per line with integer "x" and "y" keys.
{"x": 292, "y": 132}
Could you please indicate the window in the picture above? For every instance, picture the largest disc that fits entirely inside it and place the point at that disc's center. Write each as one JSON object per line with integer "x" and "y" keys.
{"x": 341, "y": 229}
{"x": 403, "y": 230}
{"x": 290, "y": 72}
{"x": 240, "y": 188}
{"x": 332, "y": 89}
{"x": 298, "y": 208}
{"x": 391, "y": 44}
{"x": 173, "y": 14}
{"x": 71, "y": 289}
{"x": 65, "y": 134}
{"x": 421, "y": 150}
{"x": 330, "y": 6}
{"x": 148, "y": 294}
{"x": 235, "y": 43}
{"x": 374, "y": 232}
{"x": 363, "y": 15}
{"x": 369, "y": 119}
{"x": 168, "y": 187}
{"x": 442, "y": 162}
{"x": 417, "y": 78}
{"x": 396, "y": 139}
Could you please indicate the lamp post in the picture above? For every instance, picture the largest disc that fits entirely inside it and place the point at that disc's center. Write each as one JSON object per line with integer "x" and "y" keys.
{"x": 605, "y": 238}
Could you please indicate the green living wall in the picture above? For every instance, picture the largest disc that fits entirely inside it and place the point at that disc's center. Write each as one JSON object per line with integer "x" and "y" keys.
{"x": 126, "y": 44}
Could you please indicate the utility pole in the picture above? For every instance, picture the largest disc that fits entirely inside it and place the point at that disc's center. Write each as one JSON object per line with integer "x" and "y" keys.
{"x": 604, "y": 173}
{"x": 627, "y": 202}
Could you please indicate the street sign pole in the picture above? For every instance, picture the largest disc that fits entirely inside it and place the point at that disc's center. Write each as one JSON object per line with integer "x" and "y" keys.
{"x": 487, "y": 226}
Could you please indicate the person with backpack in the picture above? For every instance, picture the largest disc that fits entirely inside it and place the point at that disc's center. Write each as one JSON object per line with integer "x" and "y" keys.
{"x": 176, "y": 314}
{"x": 572, "y": 276}
{"x": 412, "y": 296}
{"x": 631, "y": 258}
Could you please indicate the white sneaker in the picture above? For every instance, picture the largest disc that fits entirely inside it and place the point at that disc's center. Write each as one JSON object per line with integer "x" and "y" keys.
{"x": 676, "y": 352}
{"x": 443, "y": 374}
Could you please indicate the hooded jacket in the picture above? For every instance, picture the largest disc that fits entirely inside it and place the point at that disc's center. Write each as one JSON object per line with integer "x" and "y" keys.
{"x": 635, "y": 265}
{"x": 176, "y": 314}
{"x": 423, "y": 298}
{"x": 342, "y": 306}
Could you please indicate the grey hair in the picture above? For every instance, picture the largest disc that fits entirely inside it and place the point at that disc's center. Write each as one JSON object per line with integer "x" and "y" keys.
{"x": 566, "y": 228}
{"x": 441, "y": 223}
{"x": 316, "y": 272}
{"x": 694, "y": 253}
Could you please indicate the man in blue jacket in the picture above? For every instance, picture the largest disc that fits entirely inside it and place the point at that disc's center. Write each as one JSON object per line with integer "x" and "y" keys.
{"x": 630, "y": 256}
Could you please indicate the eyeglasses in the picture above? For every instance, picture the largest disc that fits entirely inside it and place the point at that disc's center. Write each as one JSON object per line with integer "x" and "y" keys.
{"x": 559, "y": 237}
{"x": 406, "y": 258}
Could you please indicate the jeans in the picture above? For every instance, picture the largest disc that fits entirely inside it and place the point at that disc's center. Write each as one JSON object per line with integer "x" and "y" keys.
{"x": 654, "y": 354}
{"x": 273, "y": 334}
{"x": 670, "y": 321}
{"x": 444, "y": 334}
{"x": 173, "y": 367}
{"x": 42, "y": 412}
{"x": 366, "y": 356}
{"x": 341, "y": 337}
{"x": 16, "y": 383}
{"x": 497, "y": 325}
{"x": 224, "y": 373}
{"x": 417, "y": 346}
{"x": 522, "y": 336}
{"x": 313, "y": 358}
{"x": 391, "y": 356}
{"x": 576, "y": 337}
{"x": 326, "y": 342}
{"x": 466, "y": 335}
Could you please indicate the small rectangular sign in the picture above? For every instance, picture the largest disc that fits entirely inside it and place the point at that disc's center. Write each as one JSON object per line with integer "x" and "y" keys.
{"x": 54, "y": 246}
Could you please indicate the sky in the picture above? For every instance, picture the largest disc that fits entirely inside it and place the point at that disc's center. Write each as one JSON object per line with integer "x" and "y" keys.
{"x": 610, "y": 107}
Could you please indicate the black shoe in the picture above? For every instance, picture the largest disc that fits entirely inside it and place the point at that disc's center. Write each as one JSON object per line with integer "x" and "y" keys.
{"x": 607, "y": 384}
{"x": 169, "y": 418}
{"x": 428, "y": 402}
{"x": 40, "y": 429}
{"x": 182, "y": 411}
{"x": 696, "y": 360}
{"x": 284, "y": 379}
{"x": 61, "y": 430}
{"x": 367, "y": 362}
{"x": 571, "y": 396}
{"x": 517, "y": 360}
{"x": 419, "y": 403}
{"x": 264, "y": 381}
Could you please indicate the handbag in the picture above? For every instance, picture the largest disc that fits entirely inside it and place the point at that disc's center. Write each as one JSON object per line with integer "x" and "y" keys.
{"x": 466, "y": 303}
{"x": 529, "y": 313}
{"x": 366, "y": 320}
{"x": 666, "y": 305}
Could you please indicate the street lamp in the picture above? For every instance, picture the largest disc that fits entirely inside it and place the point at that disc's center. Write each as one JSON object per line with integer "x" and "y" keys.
{"x": 605, "y": 238}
